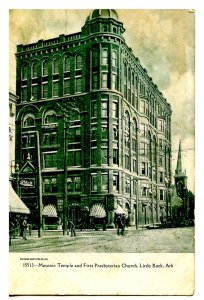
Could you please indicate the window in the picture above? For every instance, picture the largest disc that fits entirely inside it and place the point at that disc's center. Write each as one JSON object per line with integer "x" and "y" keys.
{"x": 55, "y": 66}
{"x": 114, "y": 81}
{"x": 143, "y": 130}
{"x": 34, "y": 90}
{"x": 34, "y": 70}
{"x": 161, "y": 194}
{"x": 95, "y": 81}
{"x": 45, "y": 68}
{"x": 94, "y": 182}
{"x": 104, "y": 156}
{"x": 50, "y": 160}
{"x": 95, "y": 57}
{"x": 44, "y": 90}
{"x": 127, "y": 185}
{"x": 127, "y": 162}
{"x": 115, "y": 109}
{"x": 50, "y": 185}
{"x": 67, "y": 87}
{"x": 74, "y": 184}
{"x": 24, "y": 73}
{"x": 104, "y": 109}
{"x": 94, "y": 156}
{"x": 67, "y": 64}
{"x": 104, "y": 132}
{"x": 115, "y": 182}
{"x": 142, "y": 106}
{"x": 78, "y": 62}
{"x": 105, "y": 28}
{"x": 74, "y": 158}
{"x": 114, "y": 58}
{"x": 50, "y": 117}
{"x": 78, "y": 86}
{"x": 104, "y": 182}
{"x": 94, "y": 109}
{"x": 161, "y": 177}
{"x": 94, "y": 132}
{"x": 134, "y": 165}
{"x": 74, "y": 135}
{"x": 134, "y": 187}
{"x": 143, "y": 149}
{"x": 29, "y": 120}
{"x": 55, "y": 88}
{"x": 143, "y": 168}
{"x": 104, "y": 56}
{"x": 50, "y": 139}
{"x": 104, "y": 83}
{"x": 28, "y": 141}
{"x": 24, "y": 94}
{"x": 115, "y": 132}
{"x": 115, "y": 156}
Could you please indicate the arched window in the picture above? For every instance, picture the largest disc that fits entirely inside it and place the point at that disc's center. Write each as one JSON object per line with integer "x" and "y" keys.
{"x": 78, "y": 62}
{"x": 50, "y": 117}
{"x": 28, "y": 120}
{"x": 55, "y": 66}
{"x": 24, "y": 72}
{"x": 134, "y": 147}
{"x": 45, "y": 68}
{"x": 34, "y": 70}
{"x": 67, "y": 64}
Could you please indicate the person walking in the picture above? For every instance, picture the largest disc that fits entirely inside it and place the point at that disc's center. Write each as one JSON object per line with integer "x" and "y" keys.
{"x": 24, "y": 227}
{"x": 120, "y": 223}
{"x": 71, "y": 228}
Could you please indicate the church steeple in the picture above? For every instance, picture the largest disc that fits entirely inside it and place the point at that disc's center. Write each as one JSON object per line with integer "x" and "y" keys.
{"x": 178, "y": 170}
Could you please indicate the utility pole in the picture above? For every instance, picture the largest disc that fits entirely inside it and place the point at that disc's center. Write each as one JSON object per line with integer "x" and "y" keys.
{"x": 68, "y": 109}
{"x": 39, "y": 187}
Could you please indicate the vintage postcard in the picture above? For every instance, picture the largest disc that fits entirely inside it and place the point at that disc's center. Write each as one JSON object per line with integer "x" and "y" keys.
{"x": 101, "y": 131}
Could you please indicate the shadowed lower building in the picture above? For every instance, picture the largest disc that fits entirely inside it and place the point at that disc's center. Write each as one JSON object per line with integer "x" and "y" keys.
{"x": 118, "y": 143}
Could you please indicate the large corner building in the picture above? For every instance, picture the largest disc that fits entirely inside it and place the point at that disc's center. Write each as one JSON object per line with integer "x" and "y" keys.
{"x": 118, "y": 145}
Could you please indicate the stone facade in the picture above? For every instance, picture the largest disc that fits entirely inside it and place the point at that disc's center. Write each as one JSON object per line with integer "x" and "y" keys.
{"x": 118, "y": 145}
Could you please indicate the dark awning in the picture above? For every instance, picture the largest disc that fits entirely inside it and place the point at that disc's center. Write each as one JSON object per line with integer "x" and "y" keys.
{"x": 97, "y": 211}
{"x": 16, "y": 205}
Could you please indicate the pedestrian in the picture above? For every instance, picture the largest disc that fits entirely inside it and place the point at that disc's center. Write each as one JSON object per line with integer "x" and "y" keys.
{"x": 71, "y": 228}
{"x": 24, "y": 228}
{"x": 120, "y": 224}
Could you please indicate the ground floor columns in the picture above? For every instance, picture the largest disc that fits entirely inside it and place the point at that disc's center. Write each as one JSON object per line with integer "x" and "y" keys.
{"x": 111, "y": 215}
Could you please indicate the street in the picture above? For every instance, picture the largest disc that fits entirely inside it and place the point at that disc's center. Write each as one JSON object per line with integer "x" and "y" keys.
{"x": 170, "y": 240}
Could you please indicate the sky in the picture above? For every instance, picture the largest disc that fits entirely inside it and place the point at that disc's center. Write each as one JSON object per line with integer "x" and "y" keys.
{"x": 163, "y": 40}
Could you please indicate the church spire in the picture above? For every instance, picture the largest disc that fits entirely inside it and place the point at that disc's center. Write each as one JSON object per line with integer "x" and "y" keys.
{"x": 179, "y": 161}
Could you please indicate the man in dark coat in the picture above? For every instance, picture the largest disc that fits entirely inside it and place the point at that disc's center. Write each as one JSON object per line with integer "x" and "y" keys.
{"x": 71, "y": 228}
{"x": 120, "y": 223}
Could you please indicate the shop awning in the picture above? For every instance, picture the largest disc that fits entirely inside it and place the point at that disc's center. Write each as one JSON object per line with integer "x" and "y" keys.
{"x": 49, "y": 211}
{"x": 97, "y": 211}
{"x": 119, "y": 210}
{"x": 16, "y": 205}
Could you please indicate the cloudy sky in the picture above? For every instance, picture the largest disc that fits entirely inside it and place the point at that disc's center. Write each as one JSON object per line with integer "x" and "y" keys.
{"x": 163, "y": 40}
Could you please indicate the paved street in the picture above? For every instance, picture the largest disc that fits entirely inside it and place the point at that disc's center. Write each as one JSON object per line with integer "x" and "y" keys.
{"x": 171, "y": 240}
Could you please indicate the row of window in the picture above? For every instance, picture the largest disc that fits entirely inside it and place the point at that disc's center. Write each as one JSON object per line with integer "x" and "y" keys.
{"x": 45, "y": 67}
{"x": 74, "y": 185}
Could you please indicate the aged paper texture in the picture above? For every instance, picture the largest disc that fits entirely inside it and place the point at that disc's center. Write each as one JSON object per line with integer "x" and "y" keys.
{"x": 156, "y": 254}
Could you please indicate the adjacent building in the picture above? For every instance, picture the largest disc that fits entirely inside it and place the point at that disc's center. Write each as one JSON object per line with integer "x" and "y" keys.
{"x": 118, "y": 141}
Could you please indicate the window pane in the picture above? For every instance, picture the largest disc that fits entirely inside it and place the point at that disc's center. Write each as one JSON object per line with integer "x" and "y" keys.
{"x": 95, "y": 81}
{"x": 34, "y": 92}
{"x": 104, "y": 56}
{"x": 94, "y": 182}
{"x": 24, "y": 94}
{"x": 104, "y": 156}
{"x": 67, "y": 64}
{"x": 104, "y": 109}
{"x": 50, "y": 160}
{"x": 104, "y": 183}
{"x": 115, "y": 110}
{"x": 45, "y": 90}
{"x": 67, "y": 87}
{"x": 45, "y": 68}
{"x": 34, "y": 70}
{"x": 78, "y": 62}
{"x": 55, "y": 66}
{"x": 104, "y": 80}
{"x": 78, "y": 85}
{"x": 56, "y": 88}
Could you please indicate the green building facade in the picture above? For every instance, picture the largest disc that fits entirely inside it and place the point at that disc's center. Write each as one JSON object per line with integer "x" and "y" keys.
{"x": 118, "y": 142}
